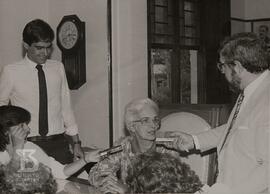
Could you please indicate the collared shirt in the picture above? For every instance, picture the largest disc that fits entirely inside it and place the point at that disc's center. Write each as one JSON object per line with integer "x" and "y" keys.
{"x": 19, "y": 85}
{"x": 251, "y": 87}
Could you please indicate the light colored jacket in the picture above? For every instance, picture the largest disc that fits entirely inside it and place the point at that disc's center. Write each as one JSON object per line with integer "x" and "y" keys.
{"x": 244, "y": 160}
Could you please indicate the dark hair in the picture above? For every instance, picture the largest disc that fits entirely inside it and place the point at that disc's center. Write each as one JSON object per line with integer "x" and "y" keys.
{"x": 40, "y": 181}
{"x": 36, "y": 31}
{"x": 9, "y": 117}
{"x": 162, "y": 173}
{"x": 246, "y": 48}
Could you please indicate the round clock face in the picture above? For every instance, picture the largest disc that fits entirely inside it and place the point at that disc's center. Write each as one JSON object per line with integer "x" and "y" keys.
{"x": 68, "y": 35}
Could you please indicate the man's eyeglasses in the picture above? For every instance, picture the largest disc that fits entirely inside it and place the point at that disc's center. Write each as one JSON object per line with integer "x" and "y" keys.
{"x": 220, "y": 66}
{"x": 149, "y": 120}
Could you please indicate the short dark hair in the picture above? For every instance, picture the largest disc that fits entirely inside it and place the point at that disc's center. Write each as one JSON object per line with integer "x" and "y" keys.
{"x": 162, "y": 173}
{"x": 37, "y": 31}
{"x": 10, "y": 116}
{"x": 248, "y": 49}
{"x": 40, "y": 181}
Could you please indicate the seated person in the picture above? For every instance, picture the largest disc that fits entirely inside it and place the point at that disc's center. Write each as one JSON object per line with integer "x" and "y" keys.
{"x": 161, "y": 173}
{"x": 142, "y": 122}
{"x": 15, "y": 149}
{"x": 39, "y": 181}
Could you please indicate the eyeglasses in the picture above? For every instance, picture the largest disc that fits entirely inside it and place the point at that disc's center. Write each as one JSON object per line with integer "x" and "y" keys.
{"x": 220, "y": 66}
{"x": 149, "y": 120}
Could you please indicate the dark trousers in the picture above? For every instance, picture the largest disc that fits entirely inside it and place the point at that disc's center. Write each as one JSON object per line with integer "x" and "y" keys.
{"x": 59, "y": 150}
{"x": 56, "y": 148}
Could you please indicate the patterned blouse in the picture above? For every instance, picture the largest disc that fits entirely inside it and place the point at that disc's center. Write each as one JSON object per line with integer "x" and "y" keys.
{"x": 117, "y": 164}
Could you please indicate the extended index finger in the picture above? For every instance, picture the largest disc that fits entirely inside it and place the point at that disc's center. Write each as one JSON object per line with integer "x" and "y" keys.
{"x": 176, "y": 133}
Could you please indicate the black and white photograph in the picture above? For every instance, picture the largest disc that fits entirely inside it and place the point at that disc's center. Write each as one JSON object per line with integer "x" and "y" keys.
{"x": 261, "y": 28}
{"x": 134, "y": 96}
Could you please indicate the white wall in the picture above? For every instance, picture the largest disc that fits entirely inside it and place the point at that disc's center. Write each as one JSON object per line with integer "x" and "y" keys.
{"x": 238, "y": 8}
{"x": 90, "y": 102}
{"x": 257, "y": 9}
{"x": 129, "y": 24}
{"x": 250, "y": 9}
{"x": 14, "y": 14}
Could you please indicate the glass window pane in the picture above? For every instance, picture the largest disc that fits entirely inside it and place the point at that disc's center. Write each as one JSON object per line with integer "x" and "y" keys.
{"x": 164, "y": 28}
{"x": 174, "y": 23}
{"x": 161, "y": 2}
{"x": 161, "y": 61}
{"x": 170, "y": 26}
{"x": 189, "y": 42}
{"x": 152, "y": 25}
{"x": 170, "y": 7}
{"x": 161, "y": 28}
{"x": 181, "y": 27}
{"x": 190, "y": 18}
{"x": 152, "y": 6}
{"x": 190, "y": 32}
{"x": 185, "y": 75}
{"x": 161, "y": 14}
{"x": 163, "y": 39}
{"x": 181, "y": 8}
{"x": 188, "y": 6}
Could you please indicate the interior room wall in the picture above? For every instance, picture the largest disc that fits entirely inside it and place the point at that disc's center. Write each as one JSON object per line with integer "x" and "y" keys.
{"x": 90, "y": 102}
{"x": 12, "y": 21}
{"x": 238, "y": 8}
{"x": 250, "y": 9}
{"x": 257, "y": 9}
{"x": 129, "y": 56}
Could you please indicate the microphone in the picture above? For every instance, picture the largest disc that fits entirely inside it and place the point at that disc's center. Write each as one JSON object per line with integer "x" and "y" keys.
{"x": 110, "y": 151}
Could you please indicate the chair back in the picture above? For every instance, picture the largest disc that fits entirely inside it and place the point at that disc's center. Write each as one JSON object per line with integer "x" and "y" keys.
{"x": 189, "y": 123}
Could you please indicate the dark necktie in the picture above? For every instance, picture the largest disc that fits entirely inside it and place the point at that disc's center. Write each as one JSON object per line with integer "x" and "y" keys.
{"x": 238, "y": 105}
{"x": 43, "y": 102}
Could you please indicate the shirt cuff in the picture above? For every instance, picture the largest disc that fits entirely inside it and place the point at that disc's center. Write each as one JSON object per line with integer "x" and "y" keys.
{"x": 196, "y": 142}
{"x": 72, "y": 130}
{"x": 204, "y": 190}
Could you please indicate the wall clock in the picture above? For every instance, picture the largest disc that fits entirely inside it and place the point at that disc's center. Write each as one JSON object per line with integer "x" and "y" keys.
{"x": 71, "y": 41}
{"x": 68, "y": 35}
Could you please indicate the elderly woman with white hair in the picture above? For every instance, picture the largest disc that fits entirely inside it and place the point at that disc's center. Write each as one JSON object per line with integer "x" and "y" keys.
{"x": 142, "y": 122}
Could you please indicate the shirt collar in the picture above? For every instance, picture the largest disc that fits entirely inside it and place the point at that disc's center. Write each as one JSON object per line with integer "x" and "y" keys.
{"x": 31, "y": 63}
{"x": 255, "y": 84}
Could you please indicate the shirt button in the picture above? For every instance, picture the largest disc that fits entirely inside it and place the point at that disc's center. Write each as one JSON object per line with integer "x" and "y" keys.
{"x": 260, "y": 161}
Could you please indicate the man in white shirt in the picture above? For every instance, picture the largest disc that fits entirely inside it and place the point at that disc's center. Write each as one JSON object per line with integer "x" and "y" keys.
{"x": 243, "y": 142}
{"x": 20, "y": 86}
